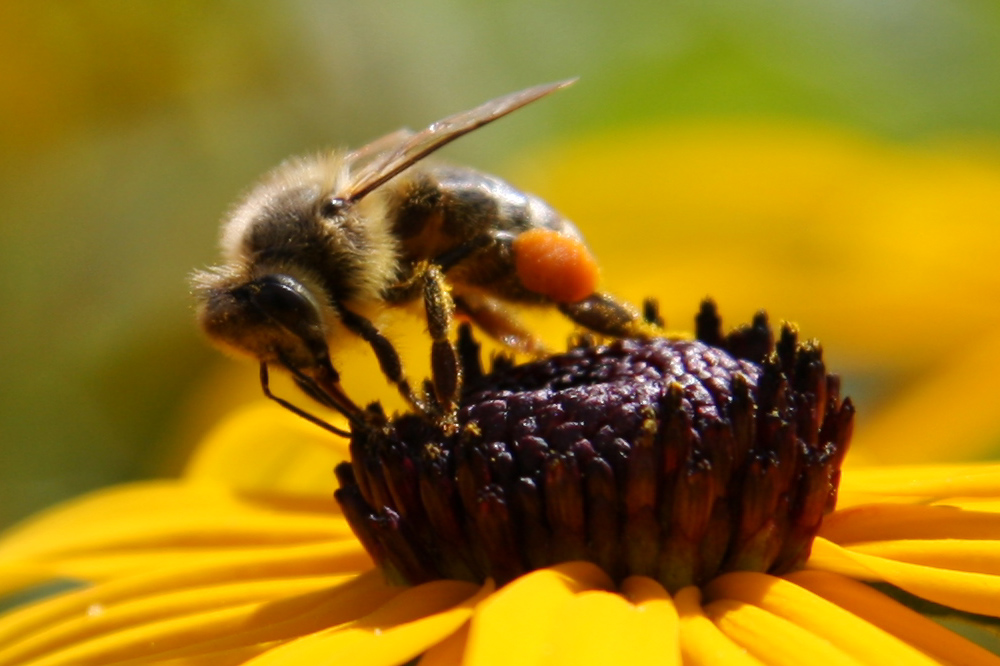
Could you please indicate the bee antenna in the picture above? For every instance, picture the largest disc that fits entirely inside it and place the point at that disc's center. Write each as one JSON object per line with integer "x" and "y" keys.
{"x": 298, "y": 411}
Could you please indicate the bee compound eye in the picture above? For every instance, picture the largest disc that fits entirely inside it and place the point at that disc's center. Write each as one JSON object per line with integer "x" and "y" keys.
{"x": 332, "y": 207}
{"x": 285, "y": 300}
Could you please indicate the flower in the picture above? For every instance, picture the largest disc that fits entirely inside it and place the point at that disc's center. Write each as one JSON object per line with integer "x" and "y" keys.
{"x": 246, "y": 559}
{"x": 668, "y": 458}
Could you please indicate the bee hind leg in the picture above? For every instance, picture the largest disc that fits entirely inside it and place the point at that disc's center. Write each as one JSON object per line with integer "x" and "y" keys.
{"x": 606, "y": 315}
{"x": 499, "y": 323}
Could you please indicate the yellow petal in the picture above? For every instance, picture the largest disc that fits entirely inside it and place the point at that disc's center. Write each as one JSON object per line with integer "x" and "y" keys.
{"x": 702, "y": 643}
{"x": 772, "y": 639}
{"x": 599, "y": 627}
{"x": 46, "y": 530}
{"x": 233, "y": 657}
{"x": 981, "y": 556}
{"x": 892, "y": 616}
{"x": 16, "y": 576}
{"x": 174, "y": 619}
{"x": 449, "y": 651}
{"x": 971, "y": 592}
{"x": 651, "y": 598}
{"x": 346, "y": 556}
{"x": 404, "y": 628}
{"x": 986, "y": 505}
{"x": 292, "y": 617}
{"x": 262, "y": 447}
{"x": 136, "y": 642}
{"x": 926, "y": 481}
{"x": 164, "y": 513}
{"x": 884, "y": 522}
{"x": 657, "y": 615}
{"x": 517, "y": 624}
{"x": 856, "y": 637}
{"x": 106, "y": 565}
{"x": 192, "y": 571}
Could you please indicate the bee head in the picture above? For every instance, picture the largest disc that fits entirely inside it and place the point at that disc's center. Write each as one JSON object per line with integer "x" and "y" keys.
{"x": 273, "y": 318}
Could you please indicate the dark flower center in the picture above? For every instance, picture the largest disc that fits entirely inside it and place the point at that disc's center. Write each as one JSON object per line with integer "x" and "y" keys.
{"x": 674, "y": 459}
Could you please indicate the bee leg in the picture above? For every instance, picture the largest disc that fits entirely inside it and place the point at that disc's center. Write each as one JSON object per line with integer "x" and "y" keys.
{"x": 499, "y": 323}
{"x": 388, "y": 358}
{"x": 606, "y": 315}
{"x": 445, "y": 368}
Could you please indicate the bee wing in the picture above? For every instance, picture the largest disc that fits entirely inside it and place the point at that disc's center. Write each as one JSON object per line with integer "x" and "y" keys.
{"x": 413, "y": 147}
{"x": 385, "y": 144}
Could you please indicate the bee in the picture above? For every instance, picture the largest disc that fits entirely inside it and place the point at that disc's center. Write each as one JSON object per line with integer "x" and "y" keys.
{"x": 323, "y": 243}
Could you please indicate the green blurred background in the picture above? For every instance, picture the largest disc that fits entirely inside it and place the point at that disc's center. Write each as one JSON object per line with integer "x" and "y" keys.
{"x": 127, "y": 129}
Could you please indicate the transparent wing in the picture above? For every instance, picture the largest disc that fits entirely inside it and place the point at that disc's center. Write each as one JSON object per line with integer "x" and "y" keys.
{"x": 390, "y": 160}
{"x": 382, "y": 145}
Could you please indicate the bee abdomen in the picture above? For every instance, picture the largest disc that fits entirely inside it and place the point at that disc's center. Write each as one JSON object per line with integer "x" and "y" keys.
{"x": 441, "y": 208}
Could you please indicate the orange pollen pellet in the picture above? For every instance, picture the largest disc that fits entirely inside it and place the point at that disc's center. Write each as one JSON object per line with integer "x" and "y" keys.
{"x": 554, "y": 265}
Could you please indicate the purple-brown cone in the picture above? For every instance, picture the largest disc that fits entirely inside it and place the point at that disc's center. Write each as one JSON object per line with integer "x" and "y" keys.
{"x": 673, "y": 459}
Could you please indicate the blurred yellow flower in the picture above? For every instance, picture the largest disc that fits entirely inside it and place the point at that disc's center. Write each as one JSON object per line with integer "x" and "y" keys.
{"x": 246, "y": 559}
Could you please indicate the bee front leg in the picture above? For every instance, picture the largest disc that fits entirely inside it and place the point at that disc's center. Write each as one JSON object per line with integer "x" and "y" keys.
{"x": 446, "y": 371}
{"x": 388, "y": 358}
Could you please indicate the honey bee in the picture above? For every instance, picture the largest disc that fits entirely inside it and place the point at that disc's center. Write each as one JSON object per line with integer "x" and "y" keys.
{"x": 323, "y": 243}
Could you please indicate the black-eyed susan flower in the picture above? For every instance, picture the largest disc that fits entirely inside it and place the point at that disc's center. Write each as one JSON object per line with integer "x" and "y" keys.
{"x": 662, "y": 501}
